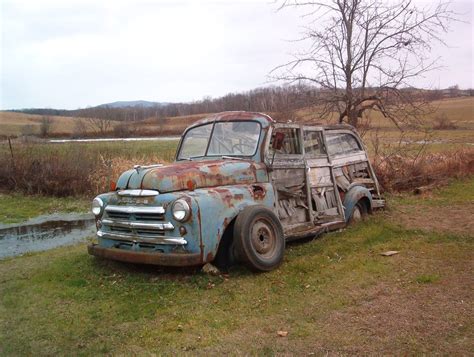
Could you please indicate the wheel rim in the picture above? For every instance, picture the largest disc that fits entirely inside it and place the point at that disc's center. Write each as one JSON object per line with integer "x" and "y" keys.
{"x": 356, "y": 214}
{"x": 263, "y": 237}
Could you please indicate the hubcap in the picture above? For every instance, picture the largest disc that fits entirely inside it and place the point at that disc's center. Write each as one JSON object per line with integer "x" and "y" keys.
{"x": 263, "y": 238}
{"x": 356, "y": 214}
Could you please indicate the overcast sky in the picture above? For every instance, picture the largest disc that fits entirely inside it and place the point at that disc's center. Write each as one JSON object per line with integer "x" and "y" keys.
{"x": 73, "y": 54}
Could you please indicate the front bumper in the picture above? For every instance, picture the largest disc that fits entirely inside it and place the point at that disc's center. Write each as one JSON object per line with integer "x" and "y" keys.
{"x": 155, "y": 258}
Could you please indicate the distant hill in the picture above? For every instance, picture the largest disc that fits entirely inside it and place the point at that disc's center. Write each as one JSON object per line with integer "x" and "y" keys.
{"x": 132, "y": 103}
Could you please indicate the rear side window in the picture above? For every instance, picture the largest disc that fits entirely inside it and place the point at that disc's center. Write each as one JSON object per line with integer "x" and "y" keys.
{"x": 291, "y": 142}
{"x": 339, "y": 144}
{"x": 313, "y": 143}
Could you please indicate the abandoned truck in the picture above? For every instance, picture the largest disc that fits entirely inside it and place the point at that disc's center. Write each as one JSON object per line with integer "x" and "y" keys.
{"x": 241, "y": 185}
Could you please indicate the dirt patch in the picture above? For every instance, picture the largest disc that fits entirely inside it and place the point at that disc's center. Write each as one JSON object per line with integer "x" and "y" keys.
{"x": 409, "y": 316}
{"x": 456, "y": 219}
{"x": 398, "y": 315}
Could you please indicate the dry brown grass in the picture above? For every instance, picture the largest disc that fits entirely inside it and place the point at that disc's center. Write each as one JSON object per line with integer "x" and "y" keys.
{"x": 108, "y": 170}
{"x": 75, "y": 169}
{"x": 405, "y": 171}
{"x": 13, "y": 124}
{"x": 56, "y": 174}
{"x": 167, "y": 126}
{"x": 458, "y": 111}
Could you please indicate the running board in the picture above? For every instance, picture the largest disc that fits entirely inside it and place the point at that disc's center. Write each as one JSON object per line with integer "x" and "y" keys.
{"x": 317, "y": 230}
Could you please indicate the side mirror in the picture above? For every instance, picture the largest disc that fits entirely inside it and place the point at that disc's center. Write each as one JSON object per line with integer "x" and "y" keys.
{"x": 277, "y": 141}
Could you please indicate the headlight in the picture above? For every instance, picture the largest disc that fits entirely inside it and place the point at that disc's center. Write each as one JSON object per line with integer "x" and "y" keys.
{"x": 97, "y": 206}
{"x": 181, "y": 210}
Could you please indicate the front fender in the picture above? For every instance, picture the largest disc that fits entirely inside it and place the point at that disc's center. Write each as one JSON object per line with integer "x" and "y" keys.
{"x": 354, "y": 195}
{"x": 218, "y": 207}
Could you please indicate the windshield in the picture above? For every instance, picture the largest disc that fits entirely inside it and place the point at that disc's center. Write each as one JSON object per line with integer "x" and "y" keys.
{"x": 232, "y": 138}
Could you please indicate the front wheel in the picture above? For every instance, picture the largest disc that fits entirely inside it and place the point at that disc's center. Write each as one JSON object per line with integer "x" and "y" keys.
{"x": 259, "y": 239}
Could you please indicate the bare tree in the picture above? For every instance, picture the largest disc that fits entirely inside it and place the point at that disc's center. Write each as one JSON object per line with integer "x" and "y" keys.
{"x": 365, "y": 54}
{"x": 101, "y": 119}
{"x": 80, "y": 128}
{"x": 45, "y": 125}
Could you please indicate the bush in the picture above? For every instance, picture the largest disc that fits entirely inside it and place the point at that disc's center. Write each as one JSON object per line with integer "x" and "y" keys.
{"x": 73, "y": 170}
{"x": 442, "y": 122}
{"x": 404, "y": 172}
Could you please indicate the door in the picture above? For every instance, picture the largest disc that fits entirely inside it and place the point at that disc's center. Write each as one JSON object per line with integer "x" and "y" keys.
{"x": 326, "y": 206}
{"x": 288, "y": 175}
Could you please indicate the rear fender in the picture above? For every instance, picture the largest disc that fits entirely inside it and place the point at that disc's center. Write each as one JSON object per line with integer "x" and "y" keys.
{"x": 354, "y": 195}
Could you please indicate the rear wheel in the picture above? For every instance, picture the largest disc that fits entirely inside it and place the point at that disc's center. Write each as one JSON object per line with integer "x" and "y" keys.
{"x": 359, "y": 212}
{"x": 258, "y": 238}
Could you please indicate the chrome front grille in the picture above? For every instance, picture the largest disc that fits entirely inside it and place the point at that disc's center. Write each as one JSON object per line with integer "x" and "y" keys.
{"x": 135, "y": 213}
{"x": 137, "y": 224}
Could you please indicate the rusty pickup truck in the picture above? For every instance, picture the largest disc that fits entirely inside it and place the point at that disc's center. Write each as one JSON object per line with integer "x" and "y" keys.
{"x": 241, "y": 186}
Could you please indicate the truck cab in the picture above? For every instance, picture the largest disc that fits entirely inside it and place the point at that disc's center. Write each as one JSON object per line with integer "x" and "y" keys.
{"x": 241, "y": 186}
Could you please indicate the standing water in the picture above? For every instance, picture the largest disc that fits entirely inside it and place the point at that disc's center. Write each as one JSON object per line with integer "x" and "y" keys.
{"x": 97, "y": 140}
{"x": 45, "y": 232}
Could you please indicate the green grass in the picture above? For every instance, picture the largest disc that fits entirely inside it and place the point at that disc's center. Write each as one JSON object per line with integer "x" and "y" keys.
{"x": 63, "y": 302}
{"x": 457, "y": 192}
{"x": 15, "y": 208}
{"x": 427, "y": 279}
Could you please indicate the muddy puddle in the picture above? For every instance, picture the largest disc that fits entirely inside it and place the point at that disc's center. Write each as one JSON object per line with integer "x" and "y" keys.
{"x": 45, "y": 232}
{"x": 97, "y": 140}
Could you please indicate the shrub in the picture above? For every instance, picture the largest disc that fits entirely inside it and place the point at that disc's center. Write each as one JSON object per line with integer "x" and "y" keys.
{"x": 442, "y": 122}
{"x": 404, "y": 172}
{"x": 72, "y": 170}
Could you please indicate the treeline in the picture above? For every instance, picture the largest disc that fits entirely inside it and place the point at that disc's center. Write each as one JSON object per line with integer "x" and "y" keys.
{"x": 267, "y": 99}
{"x": 272, "y": 99}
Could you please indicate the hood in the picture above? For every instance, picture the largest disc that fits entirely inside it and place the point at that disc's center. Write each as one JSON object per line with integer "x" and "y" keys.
{"x": 189, "y": 175}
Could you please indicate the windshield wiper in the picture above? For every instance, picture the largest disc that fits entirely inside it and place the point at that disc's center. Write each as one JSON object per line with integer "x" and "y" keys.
{"x": 233, "y": 158}
{"x": 191, "y": 158}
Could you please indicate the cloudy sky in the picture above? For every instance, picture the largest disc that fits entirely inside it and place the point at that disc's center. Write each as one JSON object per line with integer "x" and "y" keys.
{"x": 72, "y": 54}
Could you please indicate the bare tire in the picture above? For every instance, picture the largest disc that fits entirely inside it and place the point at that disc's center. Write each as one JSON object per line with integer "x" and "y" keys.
{"x": 359, "y": 212}
{"x": 258, "y": 238}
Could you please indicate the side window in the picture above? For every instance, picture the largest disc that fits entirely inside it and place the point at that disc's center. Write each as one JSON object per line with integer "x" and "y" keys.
{"x": 350, "y": 143}
{"x": 313, "y": 143}
{"x": 291, "y": 142}
{"x": 339, "y": 144}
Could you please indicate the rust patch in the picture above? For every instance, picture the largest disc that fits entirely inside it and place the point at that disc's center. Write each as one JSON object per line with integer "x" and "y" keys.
{"x": 258, "y": 192}
{"x": 225, "y": 195}
{"x": 209, "y": 257}
{"x": 234, "y": 116}
{"x": 191, "y": 175}
{"x": 190, "y": 185}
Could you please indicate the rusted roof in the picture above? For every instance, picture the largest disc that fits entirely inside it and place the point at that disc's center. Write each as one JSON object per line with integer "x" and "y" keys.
{"x": 236, "y": 115}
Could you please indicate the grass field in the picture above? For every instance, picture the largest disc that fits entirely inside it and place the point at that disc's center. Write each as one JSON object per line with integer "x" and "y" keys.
{"x": 14, "y": 123}
{"x": 123, "y": 149}
{"x": 333, "y": 295}
{"x": 15, "y": 208}
{"x": 459, "y": 111}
